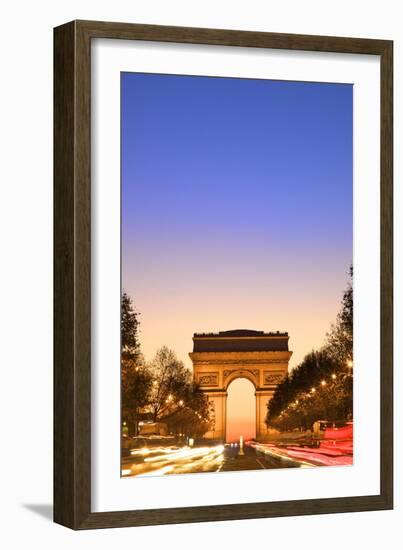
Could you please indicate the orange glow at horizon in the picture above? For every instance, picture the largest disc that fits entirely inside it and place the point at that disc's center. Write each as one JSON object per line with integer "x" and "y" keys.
{"x": 241, "y": 410}
{"x": 177, "y": 298}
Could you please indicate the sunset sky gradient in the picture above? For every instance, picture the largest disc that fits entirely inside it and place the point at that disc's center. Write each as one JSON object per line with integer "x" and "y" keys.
{"x": 236, "y": 206}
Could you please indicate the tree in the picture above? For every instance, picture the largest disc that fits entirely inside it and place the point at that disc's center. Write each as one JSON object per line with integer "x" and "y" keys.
{"x": 175, "y": 398}
{"x": 129, "y": 327}
{"x": 170, "y": 382}
{"x": 195, "y": 415}
{"x": 136, "y": 389}
{"x": 339, "y": 342}
{"x": 321, "y": 387}
{"x": 315, "y": 367}
{"x": 136, "y": 378}
{"x": 164, "y": 387}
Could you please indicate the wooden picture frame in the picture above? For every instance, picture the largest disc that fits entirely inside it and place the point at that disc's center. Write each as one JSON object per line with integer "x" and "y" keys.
{"x": 72, "y": 270}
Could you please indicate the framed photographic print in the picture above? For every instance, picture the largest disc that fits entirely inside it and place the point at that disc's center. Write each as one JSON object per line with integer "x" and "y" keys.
{"x": 222, "y": 275}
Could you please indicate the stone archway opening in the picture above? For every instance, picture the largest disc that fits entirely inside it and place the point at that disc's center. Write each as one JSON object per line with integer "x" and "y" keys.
{"x": 241, "y": 410}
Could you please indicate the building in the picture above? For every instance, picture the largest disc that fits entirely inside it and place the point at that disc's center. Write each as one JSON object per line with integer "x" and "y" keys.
{"x": 220, "y": 358}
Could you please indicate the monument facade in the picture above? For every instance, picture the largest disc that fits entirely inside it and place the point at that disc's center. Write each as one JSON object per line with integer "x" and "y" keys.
{"x": 219, "y": 358}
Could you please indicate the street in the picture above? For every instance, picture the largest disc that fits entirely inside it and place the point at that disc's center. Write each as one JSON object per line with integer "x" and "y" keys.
{"x": 153, "y": 461}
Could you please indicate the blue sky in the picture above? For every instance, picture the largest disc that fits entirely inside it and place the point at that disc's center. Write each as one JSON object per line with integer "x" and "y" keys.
{"x": 236, "y": 206}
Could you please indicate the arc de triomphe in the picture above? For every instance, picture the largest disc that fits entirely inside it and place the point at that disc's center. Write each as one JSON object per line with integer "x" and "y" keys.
{"x": 219, "y": 358}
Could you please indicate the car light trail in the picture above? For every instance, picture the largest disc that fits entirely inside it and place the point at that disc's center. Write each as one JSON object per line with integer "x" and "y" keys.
{"x": 159, "y": 472}
{"x": 162, "y": 460}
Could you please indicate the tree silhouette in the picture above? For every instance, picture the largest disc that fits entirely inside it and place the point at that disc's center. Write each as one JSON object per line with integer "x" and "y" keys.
{"x": 175, "y": 398}
{"x": 340, "y": 337}
{"x": 136, "y": 379}
{"x": 321, "y": 387}
{"x": 163, "y": 388}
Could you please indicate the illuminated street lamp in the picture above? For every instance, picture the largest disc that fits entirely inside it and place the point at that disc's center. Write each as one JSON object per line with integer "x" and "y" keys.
{"x": 350, "y": 364}
{"x": 323, "y": 383}
{"x": 334, "y": 376}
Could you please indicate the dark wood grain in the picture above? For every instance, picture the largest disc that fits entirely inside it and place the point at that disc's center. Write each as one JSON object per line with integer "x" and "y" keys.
{"x": 72, "y": 268}
{"x": 386, "y": 215}
{"x": 220, "y": 37}
{"x": 72, "y": 296}
{"x": 64, "y": 381}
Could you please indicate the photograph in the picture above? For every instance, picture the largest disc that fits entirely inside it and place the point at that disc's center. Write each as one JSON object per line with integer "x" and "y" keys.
{"x": 198, "y": 222}
{"x": 236, "y": 274}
